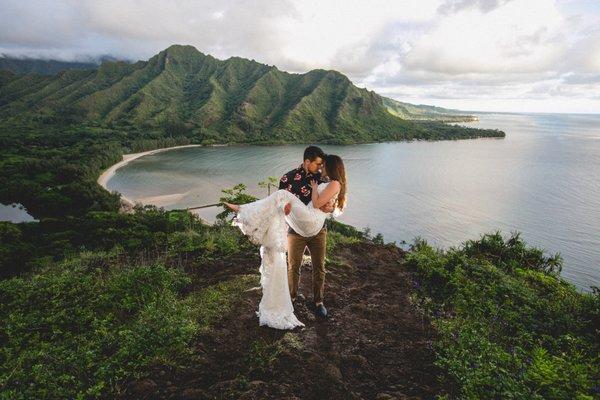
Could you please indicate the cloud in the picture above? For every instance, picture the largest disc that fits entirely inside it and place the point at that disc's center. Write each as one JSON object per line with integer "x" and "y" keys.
{"x": 521, "y": 35}
{"x": 139, "y": 29}
{"x": 498, "y": 50}
{"x": 27, "y": 25}
{"x": 422, "y": 49}
{"x": 344, "y": 34}
{"x": 584, "y": 55}
{"x": 453, "y": 6}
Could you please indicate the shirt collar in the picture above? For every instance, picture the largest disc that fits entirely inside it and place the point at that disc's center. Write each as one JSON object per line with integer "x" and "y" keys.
{"x": 301, "y": 170}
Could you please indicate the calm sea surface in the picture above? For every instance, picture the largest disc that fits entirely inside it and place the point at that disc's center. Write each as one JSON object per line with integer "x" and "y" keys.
{"x": 543, "y": 180}
{"x": 15, "y": 212}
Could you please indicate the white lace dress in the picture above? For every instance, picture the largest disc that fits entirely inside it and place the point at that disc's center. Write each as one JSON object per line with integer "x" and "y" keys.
{"x": 266, "y": 224}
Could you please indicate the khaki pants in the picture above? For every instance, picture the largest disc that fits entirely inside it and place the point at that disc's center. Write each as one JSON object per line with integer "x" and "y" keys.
{"x": 317, "y": 246}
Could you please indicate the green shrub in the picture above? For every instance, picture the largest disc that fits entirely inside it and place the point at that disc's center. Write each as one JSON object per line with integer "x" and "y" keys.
{"x": 83, "y": 328}
{"x": 508, "y": 326}
{"x": 343, "y": 229}
{"x": 186, "y": 241}
{"x": 336, "y": 238}
{"x": 223, "y": 239}
{"x": 235, "y": 195}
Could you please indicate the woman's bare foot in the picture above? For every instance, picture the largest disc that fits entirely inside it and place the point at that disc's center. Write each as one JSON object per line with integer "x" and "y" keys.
{"x": 232, "y": 207}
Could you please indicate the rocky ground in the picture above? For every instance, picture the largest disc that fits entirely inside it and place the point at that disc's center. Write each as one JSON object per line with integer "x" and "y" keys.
{"x": 374, "y": 345}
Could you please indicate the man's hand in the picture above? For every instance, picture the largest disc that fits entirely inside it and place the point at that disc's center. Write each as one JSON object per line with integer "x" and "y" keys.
{"x": 327, "y": 208}
{"x": 287, "y": 209}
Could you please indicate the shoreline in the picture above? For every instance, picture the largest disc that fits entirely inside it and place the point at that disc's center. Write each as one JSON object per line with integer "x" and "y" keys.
{"x": 126, "y": 203}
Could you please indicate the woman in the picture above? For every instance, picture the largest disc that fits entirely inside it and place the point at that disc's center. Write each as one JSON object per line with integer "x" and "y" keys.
{"x": 265, "y": 222}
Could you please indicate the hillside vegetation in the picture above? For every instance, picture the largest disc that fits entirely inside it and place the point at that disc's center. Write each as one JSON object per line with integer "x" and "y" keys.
{"x": 425, "y": 113}
{"x": 186, "y": 93}
{"x": 40, "y": 66}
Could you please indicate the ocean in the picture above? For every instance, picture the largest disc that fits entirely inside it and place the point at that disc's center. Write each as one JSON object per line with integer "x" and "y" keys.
{"x": 542, "y": 179}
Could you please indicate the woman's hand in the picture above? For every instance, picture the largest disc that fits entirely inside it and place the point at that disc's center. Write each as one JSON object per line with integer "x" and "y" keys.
{"x": 314, "y": 185}
{"x": 327, "y": 208}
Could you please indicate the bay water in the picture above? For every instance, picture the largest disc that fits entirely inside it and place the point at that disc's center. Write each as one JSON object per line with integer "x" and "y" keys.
{"x": 542, "y": 179}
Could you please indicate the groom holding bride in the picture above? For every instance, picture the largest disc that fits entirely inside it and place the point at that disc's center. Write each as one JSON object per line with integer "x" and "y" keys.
{"x": 291, "y": 220}
{"x": 298, "y": 182}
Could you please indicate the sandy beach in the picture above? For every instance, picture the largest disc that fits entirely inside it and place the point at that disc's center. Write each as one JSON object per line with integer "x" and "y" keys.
{"x": 108, "y": 173}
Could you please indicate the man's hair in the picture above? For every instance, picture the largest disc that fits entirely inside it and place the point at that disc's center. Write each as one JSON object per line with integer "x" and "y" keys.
{"x": 312, "y": 152}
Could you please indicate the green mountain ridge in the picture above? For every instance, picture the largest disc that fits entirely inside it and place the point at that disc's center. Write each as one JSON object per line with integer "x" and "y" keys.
{"x": 401, "y": 109}
{"x": 188, "y": 93}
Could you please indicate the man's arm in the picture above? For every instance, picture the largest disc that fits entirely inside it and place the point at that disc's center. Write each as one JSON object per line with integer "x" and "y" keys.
{"x": 283, "y": 181}
{"x": 286, "y": 179}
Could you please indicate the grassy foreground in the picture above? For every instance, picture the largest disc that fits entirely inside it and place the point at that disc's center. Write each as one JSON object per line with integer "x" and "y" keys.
{"x": 91, "y": 326}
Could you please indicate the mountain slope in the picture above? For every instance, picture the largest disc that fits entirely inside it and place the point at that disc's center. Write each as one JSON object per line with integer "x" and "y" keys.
{"x": 423, "y": 112}
{"x": 236, "y": 100}
{"x": 42, "y": 67}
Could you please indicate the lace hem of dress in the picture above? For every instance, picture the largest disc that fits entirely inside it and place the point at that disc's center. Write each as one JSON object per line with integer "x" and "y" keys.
{"x": 278, "y": 321}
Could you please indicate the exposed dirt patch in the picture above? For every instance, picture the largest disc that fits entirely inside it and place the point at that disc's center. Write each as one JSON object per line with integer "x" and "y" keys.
{"x": 372, "y": 346}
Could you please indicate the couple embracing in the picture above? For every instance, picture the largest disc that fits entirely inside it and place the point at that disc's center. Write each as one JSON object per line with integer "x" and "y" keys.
{"x": 289, "y": 220}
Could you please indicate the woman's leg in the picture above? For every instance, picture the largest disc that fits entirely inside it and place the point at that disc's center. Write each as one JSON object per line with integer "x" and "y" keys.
{"x": 255, "y": 216}
{"x": 236, "y": 207}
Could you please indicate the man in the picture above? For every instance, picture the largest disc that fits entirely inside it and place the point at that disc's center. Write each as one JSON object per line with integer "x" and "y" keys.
{"x": 297, "y": 181}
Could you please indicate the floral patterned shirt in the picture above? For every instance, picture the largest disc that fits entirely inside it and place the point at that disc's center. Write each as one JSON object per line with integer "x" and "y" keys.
{"x": 297, "y": 181}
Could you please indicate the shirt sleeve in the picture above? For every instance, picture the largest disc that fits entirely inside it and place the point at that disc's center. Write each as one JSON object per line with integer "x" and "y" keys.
{"x": 283, "y": 181}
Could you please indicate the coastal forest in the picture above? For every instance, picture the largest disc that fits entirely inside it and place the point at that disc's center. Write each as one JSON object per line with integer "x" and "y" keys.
{"x": 98, "y": 303}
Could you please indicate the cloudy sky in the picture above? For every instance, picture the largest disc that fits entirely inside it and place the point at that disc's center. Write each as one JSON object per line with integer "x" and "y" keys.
{"x": 489, "y": 55}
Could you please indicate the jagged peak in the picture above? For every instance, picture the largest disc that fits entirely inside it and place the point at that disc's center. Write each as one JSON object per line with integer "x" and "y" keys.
{"x": 338, "y": 74}
{"x": 176, "y": 51}
{"x": 330, "y": 72}
{"x": 179, "y": 52}
{"x": 242, "y": 60}
{"x": 182, "y": 49}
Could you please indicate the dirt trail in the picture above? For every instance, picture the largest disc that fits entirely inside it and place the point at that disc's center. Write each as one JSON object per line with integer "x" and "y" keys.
{"x": 373, "y": 345}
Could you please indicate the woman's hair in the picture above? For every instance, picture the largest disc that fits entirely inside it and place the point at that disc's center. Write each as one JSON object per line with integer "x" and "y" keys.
{"x": 336, "y": 171}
